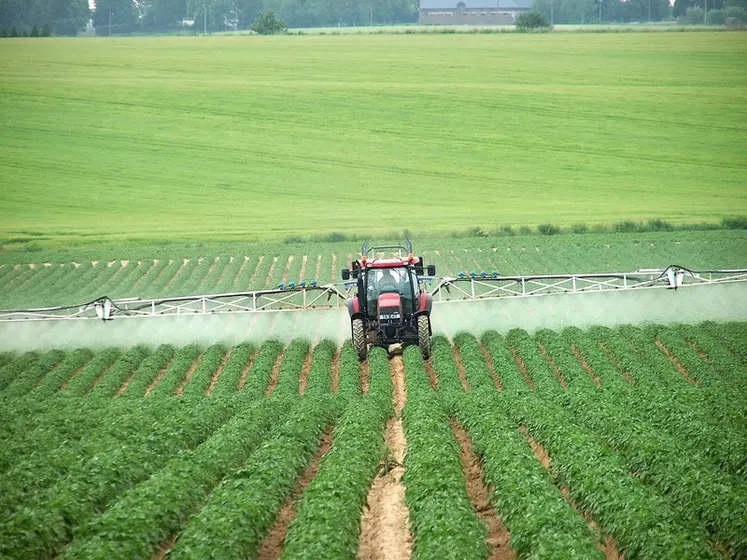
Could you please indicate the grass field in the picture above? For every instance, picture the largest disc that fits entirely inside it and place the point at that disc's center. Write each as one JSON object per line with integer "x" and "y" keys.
{"x": 248, "y": 137}
{"x": 564, "y": 444}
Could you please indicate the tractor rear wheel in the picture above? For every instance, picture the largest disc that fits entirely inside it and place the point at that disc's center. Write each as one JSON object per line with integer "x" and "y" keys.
{"x": 359, "y": 339}
{"x": 424, "y": 336}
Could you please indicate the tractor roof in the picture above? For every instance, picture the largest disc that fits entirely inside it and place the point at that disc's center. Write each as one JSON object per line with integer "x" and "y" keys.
{"x": 391, "y": 262}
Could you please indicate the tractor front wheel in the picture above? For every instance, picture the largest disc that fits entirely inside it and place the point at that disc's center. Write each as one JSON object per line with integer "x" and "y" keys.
{"x": 359, "y": 339}
{"x": 424, "y": 336}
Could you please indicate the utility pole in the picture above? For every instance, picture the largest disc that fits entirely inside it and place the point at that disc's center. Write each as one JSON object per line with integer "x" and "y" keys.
{"x": 552, "y": 14}
{"x": 600, "y": 11}
{"x": 370, "y": 14}
{"x": 204, "y": 21}
{"x": 649, "y": 11}
{"x": 110, "y": 20}
{"x": 705, "y": 14}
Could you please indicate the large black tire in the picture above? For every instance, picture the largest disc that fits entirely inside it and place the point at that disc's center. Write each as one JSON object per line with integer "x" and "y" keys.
{"x": 424, "y": 336}
{"x": 359, "y": 339}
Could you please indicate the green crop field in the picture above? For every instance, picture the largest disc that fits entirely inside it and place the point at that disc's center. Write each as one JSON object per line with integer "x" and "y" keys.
{"x": 562, "y": 444}
{"x": 38, "y": 279}
{"x": 250, "y": 137}
{"x": 538, "y": 428}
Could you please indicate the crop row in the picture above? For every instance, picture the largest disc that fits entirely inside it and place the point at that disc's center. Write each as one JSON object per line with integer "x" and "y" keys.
{"x": 521, "y": 491}
{"x": 688, "y": 479}
{"x": 183, "y": 271}
{"x": 147, "y": 515}
{"x": 595, "y": 477}
{"x": 84, "y": 478}
{"x": 250, "y": 497}
{"x": 439, "y": 507}
{"x": 107, "y": 466}
{"x": 327, "y": 523}
{"x": 662, "y": 408}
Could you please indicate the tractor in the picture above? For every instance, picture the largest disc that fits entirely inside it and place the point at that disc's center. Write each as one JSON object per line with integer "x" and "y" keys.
{"x": 390, "y": 307}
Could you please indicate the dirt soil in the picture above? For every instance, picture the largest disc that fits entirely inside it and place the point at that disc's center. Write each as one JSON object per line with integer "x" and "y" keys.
{"x": 460, "y": 367}
{"x": 606, "y": 543}
{"x": 217, "y": 372}
{"x": 675, "y": 362}
{"x": 245, "y": 371}
{"x": 270, "y": 271}
{"x": 158, "y": 377}
{"x": 302, "y": 270}
{"x": 585, "y": 365}
{"x": 385, "y": 526}
{"x": 272, "y": 545}
{"x": 625, "y": 374}
{"x": 399, "y": 392}
{"x": 274, "y": 375}
{"x": 553, "y": 366}
{"x": 364, "y": 377}
{"x": 522, "y": 367}
{"x": 334, "y": 372}
{"x": 498, "y": 539}
{"x": 164, "y": 548}
{"x": 76, "y": 372}
{"x": 491, "y": 367}
{"x": 190, "y": 371}
{"x": 432, "y": 377}
{"x": 303, "y": 375}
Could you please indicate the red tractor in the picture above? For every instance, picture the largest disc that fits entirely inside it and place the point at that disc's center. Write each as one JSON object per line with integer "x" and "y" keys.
{"x": 390, "y": 306}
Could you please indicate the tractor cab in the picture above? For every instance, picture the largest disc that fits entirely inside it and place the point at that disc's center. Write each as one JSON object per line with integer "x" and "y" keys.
{"x": 390, "y": 306}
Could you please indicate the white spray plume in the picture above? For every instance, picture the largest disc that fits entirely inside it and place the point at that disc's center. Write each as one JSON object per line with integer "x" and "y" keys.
{"x": 692, "y": 304}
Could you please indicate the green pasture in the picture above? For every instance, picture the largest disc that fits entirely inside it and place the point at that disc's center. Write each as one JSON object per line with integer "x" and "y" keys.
{"x": 220, "y": 138}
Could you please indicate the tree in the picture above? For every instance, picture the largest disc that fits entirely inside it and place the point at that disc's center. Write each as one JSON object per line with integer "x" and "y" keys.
{"x": 737, "y": 13}
{"x": 14, "y": 31}
{"x": 693, "y": 16}
{"x": 65, "y": 15}
{"x": 46, "y": 31}
{"x": 532, "y": 20}
{"x": 123, "y": 14}
{"x": 268, "y": 23}
{"x": 35, "y": 31}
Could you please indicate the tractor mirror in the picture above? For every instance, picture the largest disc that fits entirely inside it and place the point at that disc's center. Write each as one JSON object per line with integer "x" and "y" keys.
{"x": 346, "y": 274}
{"x": 431, "y": 270}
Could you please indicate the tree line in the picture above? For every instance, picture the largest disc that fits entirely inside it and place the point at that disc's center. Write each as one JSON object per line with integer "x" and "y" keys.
{"x": 67, "y": 17}
{"x": 222, "y": 15}
{"x": 43, "y": 17}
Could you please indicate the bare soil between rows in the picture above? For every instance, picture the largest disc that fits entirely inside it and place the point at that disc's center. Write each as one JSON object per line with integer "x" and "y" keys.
{"x": 385, "y": 526}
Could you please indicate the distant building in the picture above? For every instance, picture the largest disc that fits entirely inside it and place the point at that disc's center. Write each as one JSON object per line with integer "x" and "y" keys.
{"x": 471, "y": 12}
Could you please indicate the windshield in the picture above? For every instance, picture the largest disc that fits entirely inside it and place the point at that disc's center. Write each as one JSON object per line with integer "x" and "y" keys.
{"x": 391, "y": 280}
